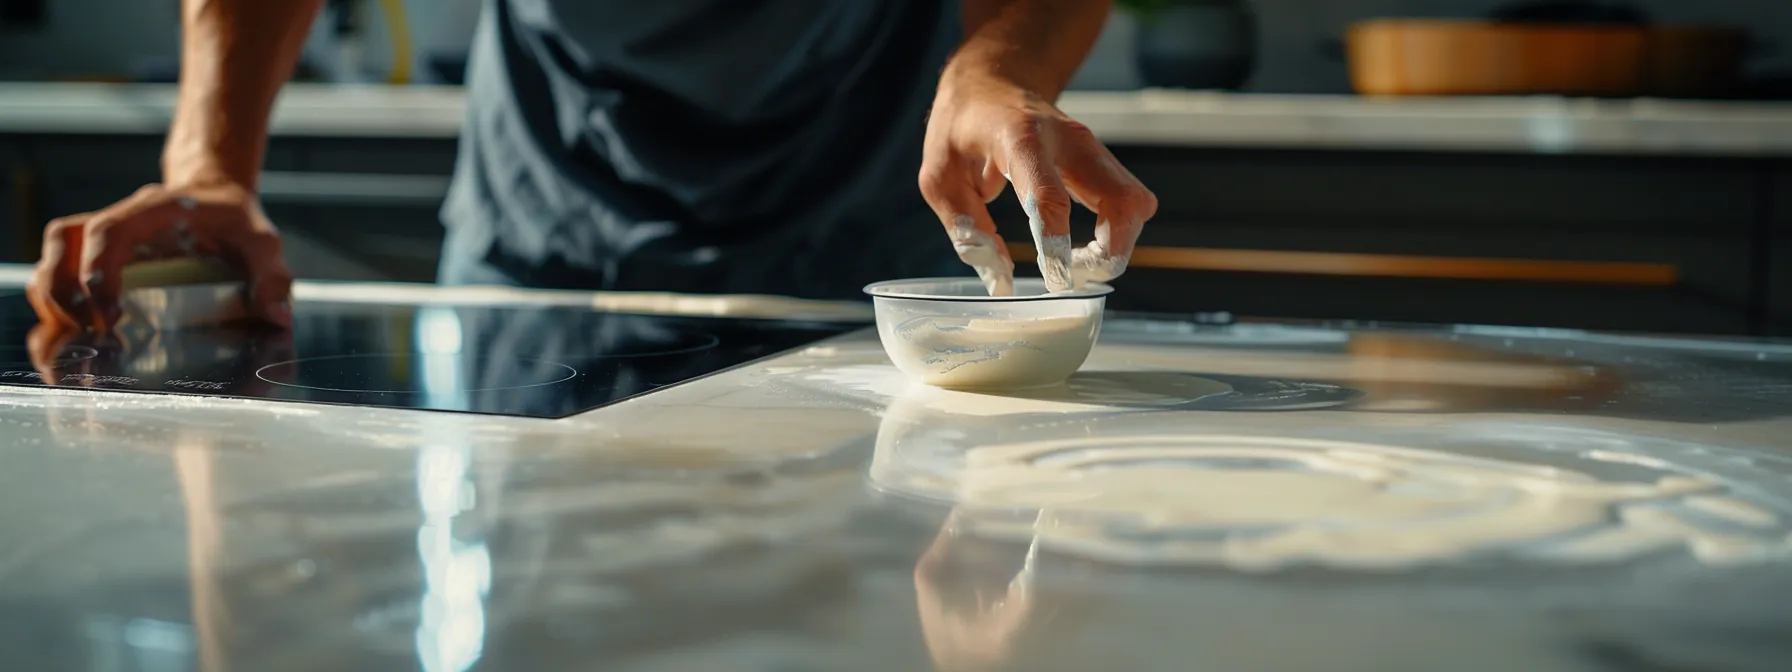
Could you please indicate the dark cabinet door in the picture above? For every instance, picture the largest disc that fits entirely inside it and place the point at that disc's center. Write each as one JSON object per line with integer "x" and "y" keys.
{"x": 1779, "y": 255}
{"x": 362, "y": 209}
{"x": 1624, "y": 243}
{"x": 17, "y": 242}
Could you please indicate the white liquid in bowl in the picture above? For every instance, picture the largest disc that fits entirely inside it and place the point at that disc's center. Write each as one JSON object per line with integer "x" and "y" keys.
{"x": 960, "y": 352}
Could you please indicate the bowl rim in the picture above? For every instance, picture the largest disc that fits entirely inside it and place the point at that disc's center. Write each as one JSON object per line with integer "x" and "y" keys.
{"x": 881, "y": 290}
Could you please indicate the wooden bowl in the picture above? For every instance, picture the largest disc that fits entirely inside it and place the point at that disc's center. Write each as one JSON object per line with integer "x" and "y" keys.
{"x": 1441, "y": 57}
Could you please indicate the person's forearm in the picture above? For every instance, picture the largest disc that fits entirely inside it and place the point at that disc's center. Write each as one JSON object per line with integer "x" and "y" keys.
{"x": 235, "y": 55}
{"x": 1037, "y": 44}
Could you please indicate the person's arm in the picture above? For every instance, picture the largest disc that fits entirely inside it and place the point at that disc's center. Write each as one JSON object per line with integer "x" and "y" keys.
{"x": 993, "y": 122}
{"x": 234, "y": 56}
{"x": 1036, "y": 45}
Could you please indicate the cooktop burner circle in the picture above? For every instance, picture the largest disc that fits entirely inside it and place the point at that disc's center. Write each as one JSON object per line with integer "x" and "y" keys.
{"x": 370, "y": 373}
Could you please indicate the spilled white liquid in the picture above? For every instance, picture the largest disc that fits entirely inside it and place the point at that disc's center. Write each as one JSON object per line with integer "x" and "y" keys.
{"x": 1098, "y": 392}
{"x": 1173, "y": 491}
{"x": 1262, "y": 503}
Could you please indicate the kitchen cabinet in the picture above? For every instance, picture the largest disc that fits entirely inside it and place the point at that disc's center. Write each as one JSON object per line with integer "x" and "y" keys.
{"x": 366, "y": 209}
{"x": 368, "y": 206}
{"x": 15, "y": 192}
{"x": 1778, "y": 255}
{"x": 56, "y": 175}
{"x": 331, "y": 236}
{"x": 1693, "y": 218}
{"x": 1447, "y": 191}
{"x": 61, "y": 175}
{"x": 82, "y": 160}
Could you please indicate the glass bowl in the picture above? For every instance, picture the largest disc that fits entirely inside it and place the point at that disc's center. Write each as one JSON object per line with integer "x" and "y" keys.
{"x": 948, "y": 332}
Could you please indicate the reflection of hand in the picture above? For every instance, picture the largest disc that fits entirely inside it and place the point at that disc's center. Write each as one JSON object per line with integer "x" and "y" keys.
{"x": 230, "y": 355}
{"x": 193, "y": 464}
{"x": 970, "y": 619}
{"x": 218, "y": 355}
{"x": 48, "y": 344}
{"x": 79, "y": 280}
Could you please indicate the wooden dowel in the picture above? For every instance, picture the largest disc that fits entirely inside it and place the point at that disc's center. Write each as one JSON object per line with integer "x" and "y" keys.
{"x": 1393, "y": 265}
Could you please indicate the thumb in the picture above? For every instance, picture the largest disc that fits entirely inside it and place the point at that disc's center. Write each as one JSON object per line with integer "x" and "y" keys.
{"x": 270, "y": 295}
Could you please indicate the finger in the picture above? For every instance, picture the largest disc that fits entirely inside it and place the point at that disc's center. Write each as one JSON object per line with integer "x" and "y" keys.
{"x": 270, "y": 287}
{"x": 182, "y": 226}
{"x": 258, "y": 254}
{"x": 120, "y": 234}
{"x": 48, "y": 313}
{"x": 1122, "y": 205}
{"x": 1030, "y": 166}
{"x": 959, "y": 207}
{"x": 47, "y": 342}
{"x": 222, "y": 234}
{"x": 54, "y": 289}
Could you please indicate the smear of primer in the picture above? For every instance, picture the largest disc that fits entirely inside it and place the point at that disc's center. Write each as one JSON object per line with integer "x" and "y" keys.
{"x": 1100, "y": 260}
{"x": 1093, "y": 263}
{"x": 980, "y": 251}
{"x": 1054, "y": 251}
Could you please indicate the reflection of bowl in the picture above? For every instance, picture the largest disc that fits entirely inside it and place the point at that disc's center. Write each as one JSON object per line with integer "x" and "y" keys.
{"x": 947, "y": 332}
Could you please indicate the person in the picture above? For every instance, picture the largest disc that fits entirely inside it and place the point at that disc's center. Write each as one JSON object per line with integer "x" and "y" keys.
{"x": 713, "y": 146}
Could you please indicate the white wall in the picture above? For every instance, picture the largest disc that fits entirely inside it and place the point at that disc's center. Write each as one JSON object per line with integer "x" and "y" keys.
{"x": 89, "y": 37}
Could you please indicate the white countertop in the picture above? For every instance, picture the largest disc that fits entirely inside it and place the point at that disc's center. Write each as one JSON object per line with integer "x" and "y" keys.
{"x": 757, "y": 518}
{"x": 1170, "y": 118}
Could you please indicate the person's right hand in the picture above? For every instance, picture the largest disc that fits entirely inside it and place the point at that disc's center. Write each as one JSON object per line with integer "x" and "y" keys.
{"x": 78, "y": 280}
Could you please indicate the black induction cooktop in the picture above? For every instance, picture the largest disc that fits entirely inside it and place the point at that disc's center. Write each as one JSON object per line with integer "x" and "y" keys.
{"x": 545, "y": 362}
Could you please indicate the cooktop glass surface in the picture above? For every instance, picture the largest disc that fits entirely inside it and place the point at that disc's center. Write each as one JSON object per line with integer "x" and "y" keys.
{"x": 544, "y": 362}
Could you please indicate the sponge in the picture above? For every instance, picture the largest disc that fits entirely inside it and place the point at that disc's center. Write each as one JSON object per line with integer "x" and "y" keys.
{"x": 174, "y": 273}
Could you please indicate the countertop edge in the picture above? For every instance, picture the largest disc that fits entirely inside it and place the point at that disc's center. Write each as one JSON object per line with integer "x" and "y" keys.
{"x": 1542, "y": 125}
{"x": 15, "y": 276}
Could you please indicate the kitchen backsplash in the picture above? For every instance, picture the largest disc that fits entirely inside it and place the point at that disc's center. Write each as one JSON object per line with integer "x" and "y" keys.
{"x": 120, "y": 37}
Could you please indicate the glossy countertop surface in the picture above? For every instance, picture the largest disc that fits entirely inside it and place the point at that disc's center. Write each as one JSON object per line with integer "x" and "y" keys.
{"x": 1538, "y": 124}
{"x": 747, "y": 521}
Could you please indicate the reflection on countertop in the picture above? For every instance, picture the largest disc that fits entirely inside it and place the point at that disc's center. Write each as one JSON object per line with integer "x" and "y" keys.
{"x": 1546, "y": 125}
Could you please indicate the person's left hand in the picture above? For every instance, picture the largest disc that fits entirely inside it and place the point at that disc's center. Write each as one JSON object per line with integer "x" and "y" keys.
{"x": 984, "y": 132}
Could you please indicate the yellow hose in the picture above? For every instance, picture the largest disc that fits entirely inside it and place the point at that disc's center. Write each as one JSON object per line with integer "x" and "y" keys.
{"x": 399, "y": 30}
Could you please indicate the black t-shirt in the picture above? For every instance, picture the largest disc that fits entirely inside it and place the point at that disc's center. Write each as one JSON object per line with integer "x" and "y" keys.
{"x": 701, "y": 145}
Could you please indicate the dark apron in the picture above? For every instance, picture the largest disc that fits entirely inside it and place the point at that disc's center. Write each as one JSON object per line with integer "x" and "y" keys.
{"x": 712, "y": 146}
